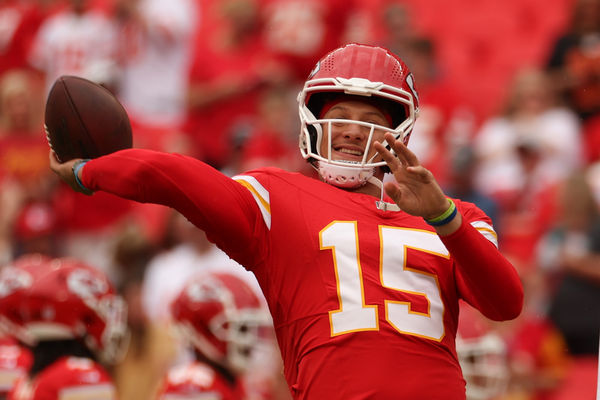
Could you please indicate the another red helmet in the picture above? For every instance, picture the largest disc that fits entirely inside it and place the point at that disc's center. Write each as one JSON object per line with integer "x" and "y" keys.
{"x": 222, "y": 317}
{"x": 366, "y": 72}
{"x": 15, "y": 280}
{"x": 482, "y": 356}
{"x": 70, "y": 299}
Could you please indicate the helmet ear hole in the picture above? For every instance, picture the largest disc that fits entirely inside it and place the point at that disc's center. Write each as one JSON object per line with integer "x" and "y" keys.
{"x": 314, "y": 136}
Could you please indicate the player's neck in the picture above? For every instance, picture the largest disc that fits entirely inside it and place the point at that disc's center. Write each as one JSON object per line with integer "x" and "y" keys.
{"x": 367, "y": 188}
{"x": 370, "y": 187}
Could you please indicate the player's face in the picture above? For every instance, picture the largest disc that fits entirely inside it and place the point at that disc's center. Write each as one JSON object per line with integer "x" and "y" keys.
{"x": 348, "y": 140}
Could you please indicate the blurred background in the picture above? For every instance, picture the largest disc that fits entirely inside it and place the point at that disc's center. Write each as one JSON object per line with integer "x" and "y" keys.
{"x": 509, "y": 120}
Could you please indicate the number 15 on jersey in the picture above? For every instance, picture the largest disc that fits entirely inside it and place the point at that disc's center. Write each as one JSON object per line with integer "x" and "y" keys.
{"x": 353, "y": 314}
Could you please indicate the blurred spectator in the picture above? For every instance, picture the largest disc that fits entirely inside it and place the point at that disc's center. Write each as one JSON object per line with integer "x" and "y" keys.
{"x": 523, "y": 153}
{"x": 461, "y": 184}
{"x": 400, "y": 33}
{"x": 78, "y": 40}
{"x": 299, "y": 31}
{"x": 536, "y": 349}
{"x": 23, "y": 147}
{"x": 270, "y": 142}
{"x": 11, "y": 16}
{"x": 231, "y": 67}
{"x": 35, "y": 230}
{"x": 88, "y": 224}
{"x": 575, "y": 59}
{"x": 570, "y": 256}
{"x": 23, "y": 153}
{"x": 156, "y": 39}
{"x": 531, "y": 119}
{"x": 444, "y": 119}
{"x": 151, "y": 348}
{"x": 592, "y": 173}
{"x": 19, "y": 22}
{"x": 444, "y": 122}
{"x": 574, "y": 63}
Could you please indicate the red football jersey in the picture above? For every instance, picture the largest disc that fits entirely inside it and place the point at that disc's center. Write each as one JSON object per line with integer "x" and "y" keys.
{"x": 15, "y": 361}
{"x": 364, "y": 301}
{"x": 69, "y": 378}
{"x": 198, "y": 380}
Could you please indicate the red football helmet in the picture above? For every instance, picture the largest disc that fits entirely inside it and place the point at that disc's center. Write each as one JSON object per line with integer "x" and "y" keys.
{"x": 69, "y": 299}
{"x": 222, "y": 317}
{"x": 366, "y": 72}
{"x": 15, "y": 279}
{"x": 482, "y": 356}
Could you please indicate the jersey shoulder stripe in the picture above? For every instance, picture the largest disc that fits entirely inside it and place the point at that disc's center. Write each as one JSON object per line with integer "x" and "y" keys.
{"x": 486, "y": 230}
{"x": 260, "y": 194}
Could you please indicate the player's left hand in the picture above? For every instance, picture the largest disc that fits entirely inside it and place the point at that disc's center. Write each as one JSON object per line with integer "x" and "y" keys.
{"x": 415, "y": 189}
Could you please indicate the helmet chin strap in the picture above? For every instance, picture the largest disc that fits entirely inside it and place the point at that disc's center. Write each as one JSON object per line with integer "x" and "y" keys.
{"x": 380, "y": 204}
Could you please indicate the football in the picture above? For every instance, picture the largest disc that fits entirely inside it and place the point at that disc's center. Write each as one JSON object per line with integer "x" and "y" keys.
{"x": 83, "y": 119}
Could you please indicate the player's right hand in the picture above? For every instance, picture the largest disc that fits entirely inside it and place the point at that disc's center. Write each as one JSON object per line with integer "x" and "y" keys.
{"x": 65, "y": 172}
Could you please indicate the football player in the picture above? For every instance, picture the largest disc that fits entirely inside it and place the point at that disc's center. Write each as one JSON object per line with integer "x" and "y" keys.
{"x": 483, "y": 356}
{"x": 223, "y": 320}
{"x": 70, "y": 316}
{"x": 362, "y": 278}
{"x": 15, "y": 357}
{"x": 15, "y": 361}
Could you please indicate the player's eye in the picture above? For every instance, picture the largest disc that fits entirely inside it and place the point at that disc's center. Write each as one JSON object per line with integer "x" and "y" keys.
{"x": 338, "y": 114}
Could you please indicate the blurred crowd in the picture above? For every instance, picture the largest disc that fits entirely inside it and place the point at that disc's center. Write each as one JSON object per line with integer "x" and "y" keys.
{"x": 509, "y": 120}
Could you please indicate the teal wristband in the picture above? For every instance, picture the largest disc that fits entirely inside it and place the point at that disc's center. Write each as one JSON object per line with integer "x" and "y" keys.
{"x": 446, "y": 217}
{"x": 76, "y": 167}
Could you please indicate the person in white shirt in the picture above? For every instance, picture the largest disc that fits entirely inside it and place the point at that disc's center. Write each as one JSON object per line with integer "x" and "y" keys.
{"x": 77, "y": 41}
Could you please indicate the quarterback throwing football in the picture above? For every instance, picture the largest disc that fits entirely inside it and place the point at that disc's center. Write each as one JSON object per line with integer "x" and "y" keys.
{"x": 362, "y": 278}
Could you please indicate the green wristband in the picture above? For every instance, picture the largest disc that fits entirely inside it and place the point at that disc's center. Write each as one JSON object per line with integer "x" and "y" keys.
{"x": 446, "y": 216}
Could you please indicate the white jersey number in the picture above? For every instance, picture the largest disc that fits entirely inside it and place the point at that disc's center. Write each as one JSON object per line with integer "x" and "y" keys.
{"x": 341, "y": 237}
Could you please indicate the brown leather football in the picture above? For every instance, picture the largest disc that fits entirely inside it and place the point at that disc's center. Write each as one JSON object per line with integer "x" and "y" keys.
{"x": 84, "y": 120}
